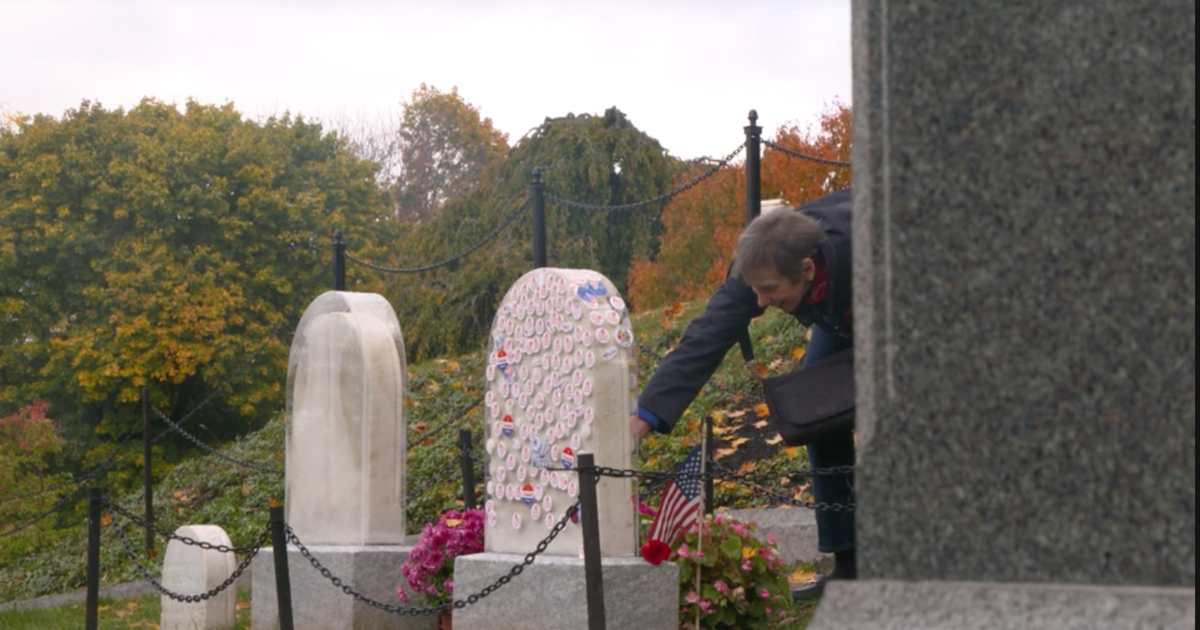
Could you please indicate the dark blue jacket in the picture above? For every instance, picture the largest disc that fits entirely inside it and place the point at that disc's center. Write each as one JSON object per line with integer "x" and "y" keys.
{"x": 710, "y": 336}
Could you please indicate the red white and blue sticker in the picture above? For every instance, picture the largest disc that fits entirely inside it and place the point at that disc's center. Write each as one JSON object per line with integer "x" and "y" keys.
{"x": 506, "y": 425}
{"x": 568, "y": 458}
{"x": 527, "y": 494}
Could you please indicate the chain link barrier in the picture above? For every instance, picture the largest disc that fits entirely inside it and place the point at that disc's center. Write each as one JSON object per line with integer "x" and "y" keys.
{"x": 81, "y": 479}
{"x": 767, "y": 492}
{"x": 725, "y": 475}
{"x": 190, "y": 599}
{"x": 802, "y": 156}
{"x": 438, "y": 477}
{"x": 113, "y": 507}
{"x": 434, "y": 610}
{"x": 722, "y": 163}
{"x": 54, "y": 508}
{"x": 452, "y": 422}
{"x": 198, "y": 442}
{"x": 512, "y": 214}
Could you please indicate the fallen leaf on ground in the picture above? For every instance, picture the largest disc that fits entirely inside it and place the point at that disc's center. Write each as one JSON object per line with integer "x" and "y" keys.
{"x": 242, "y": 606}
{"x": 761, "y": 424}
{"x": 722, "y": 430}
{"x": 736, "y": 414}
{"x": 748, "y": 467}
{"x": 762, "y": 410}
{"x": 775, "y": 440}
{"x": 798, "y": 353}
{"x": 723, "y": 452}
{"x": 802, "y": 576}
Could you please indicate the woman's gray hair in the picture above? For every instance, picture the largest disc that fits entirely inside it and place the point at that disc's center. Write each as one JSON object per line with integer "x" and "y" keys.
{"x": 781, "y": 239}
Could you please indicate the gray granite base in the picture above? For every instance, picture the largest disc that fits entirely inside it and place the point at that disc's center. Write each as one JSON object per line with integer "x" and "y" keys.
{"x": 795, "y": 532}
{"x": 317, "y": 604}
{"x": 551, "y": 594}
{"x": 893, "y": 605}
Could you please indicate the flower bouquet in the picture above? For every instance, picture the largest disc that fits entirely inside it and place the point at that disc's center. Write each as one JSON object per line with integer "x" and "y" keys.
{"x": 429, "y": 569}
{"x": 743, "y": 581}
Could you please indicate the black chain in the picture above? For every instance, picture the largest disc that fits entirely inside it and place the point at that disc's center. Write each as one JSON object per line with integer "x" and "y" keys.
{"x": 437, "y": 479}
{"x": 727, "y": 475}
{"x": 432, "y": 610}
{"x": 449, "y": 423}
{"x": 54, "y": 508}
{"x": 663, "y": 197}
{"x": 802, "y": 156}
{"x": 195, "y": 440}
{"x": 453, "y": 259}
{"x": 262, "y": 540}
{"x": 761, "y": 491}
{"x": 172, "y": 535}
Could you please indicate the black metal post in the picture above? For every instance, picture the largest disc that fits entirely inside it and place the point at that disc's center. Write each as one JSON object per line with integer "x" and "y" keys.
{"x": 148, "y": 480}
{"x": 283, "y": 582}
{"x": 339, "y": 262}
{"x": 593, "y": 569}
{"x": 538, "y": 188}
{"x": 92, "y": 621}
{"x": 468, "y": 468}
{"x": 753, "y": 169}
{"x": 708, "y": 451}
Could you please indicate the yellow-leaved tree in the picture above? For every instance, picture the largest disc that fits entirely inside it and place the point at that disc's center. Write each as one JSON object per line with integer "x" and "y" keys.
{"x": 165, "y": 247}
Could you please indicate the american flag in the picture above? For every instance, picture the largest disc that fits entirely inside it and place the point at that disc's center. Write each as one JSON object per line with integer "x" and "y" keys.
{"x": 681, "y": 502}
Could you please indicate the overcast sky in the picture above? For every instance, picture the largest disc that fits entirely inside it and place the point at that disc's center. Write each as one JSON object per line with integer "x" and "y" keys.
{"x": 684, "y": 71}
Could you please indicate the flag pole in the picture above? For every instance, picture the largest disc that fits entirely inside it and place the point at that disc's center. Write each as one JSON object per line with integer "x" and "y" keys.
{"x": 700, "y": 523}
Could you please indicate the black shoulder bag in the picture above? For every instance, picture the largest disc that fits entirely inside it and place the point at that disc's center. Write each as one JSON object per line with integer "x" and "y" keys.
{"x": 813, "y": 402}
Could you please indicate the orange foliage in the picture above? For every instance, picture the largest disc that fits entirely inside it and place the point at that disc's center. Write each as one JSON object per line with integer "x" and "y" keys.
{"x": 702, "y": 224}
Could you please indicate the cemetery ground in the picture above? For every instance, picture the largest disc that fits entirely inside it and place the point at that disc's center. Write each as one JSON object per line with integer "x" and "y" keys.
{"x": 208, "y": 489}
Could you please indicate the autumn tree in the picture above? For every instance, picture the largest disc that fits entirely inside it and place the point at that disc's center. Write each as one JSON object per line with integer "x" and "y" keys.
{"x": 702, "y": 224}
{"x": 602, "y": 160}
{"x": 446, "y": 150}
{"x": 170, "y": 249}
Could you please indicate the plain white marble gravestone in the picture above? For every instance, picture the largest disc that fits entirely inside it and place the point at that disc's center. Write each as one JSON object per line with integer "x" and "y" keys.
{"x": 190, "y": 570}
{"x": 345, "y": 424}
{"x": 560, "y": 380}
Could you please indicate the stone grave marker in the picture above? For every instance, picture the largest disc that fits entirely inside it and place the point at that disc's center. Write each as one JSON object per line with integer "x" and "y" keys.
{"x": 1025, "y": 316}
{"x": 560, "y": 381}
{"x": 346, "y": 425}
{"x": 190, "y": 570}
{"x": 345, "y": 467}
{"x": 559, "y": 375}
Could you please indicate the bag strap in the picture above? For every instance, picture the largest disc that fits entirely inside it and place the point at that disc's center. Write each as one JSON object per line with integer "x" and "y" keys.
{"x": 746, "y": 346}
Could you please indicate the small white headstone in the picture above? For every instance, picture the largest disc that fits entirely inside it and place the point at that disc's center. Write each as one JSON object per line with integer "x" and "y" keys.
{"x": 560, "y": 379}
{"x": 345, "y": 425}
{"x": 190, "y": 570}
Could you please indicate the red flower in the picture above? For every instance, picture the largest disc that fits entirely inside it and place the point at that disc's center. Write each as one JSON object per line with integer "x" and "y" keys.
{"x": 655, "y": 552}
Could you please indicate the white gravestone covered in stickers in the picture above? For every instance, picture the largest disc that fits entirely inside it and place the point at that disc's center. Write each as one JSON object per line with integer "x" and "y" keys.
{"x": 346, "y": 426}
{"x": 560, "y": 379}
{"x": 190, "y": 570}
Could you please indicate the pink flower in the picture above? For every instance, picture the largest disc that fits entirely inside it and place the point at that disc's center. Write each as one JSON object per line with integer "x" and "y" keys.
{"x": 683, "y": 551}
{"x": 771, "y": 539}
{"x": 721, "y": 587}
{"x": 692, "y": 597}
{"x": 765, "y": 594}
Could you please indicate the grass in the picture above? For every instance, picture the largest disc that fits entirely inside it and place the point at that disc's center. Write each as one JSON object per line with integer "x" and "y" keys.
{"x": 142, "y": 612}
{"x": 207, "y": 489}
